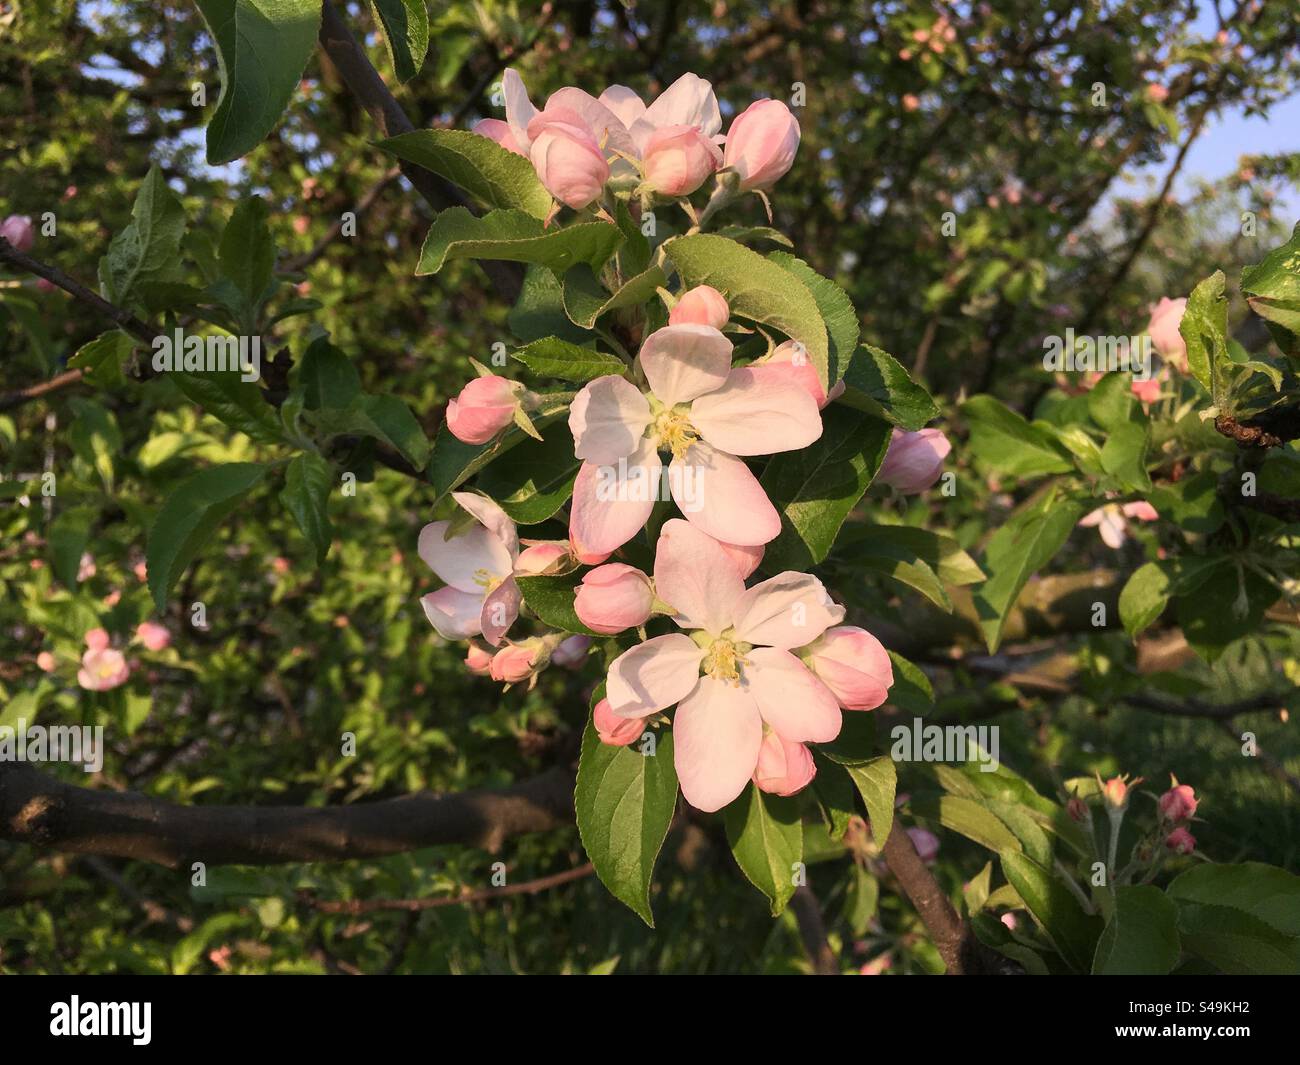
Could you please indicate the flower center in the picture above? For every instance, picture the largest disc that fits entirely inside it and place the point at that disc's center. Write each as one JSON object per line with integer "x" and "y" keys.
{"x": 724, "y": 660}
{"x": 486, "y": 580}
{"x": 673, "y": 430}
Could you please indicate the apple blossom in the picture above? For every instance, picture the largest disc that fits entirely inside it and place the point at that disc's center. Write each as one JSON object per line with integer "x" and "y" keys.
{"x": 1166, "y": 316}
{"x": 914, "y": 461}
{"x": 96, "y": 639}
{"x": 478, "y": 659}
{"x": 518, "y": 661}
{"x": 615, "y": 731}
{"x": 613, "y": 597}
{"x": 543, "y": 557}
{"x": 734, "y": 673}
{"x": 1181, "y": 841}
{"x": 744, "y": 557}
{"x": 761, "y": 144}
{"x": 784, "y": 768}
{"x": 701, "y": 305}
{"x": 567, "y": 157}
{"x": 678, "y": 159}
{"x": 155, "y": 637}
{"x": 1179, "y": 802}
{"x": 853, "y": 665}
{"x": 702, "y": 411}
{"x": 102, "y": 669}
{"x": 18, "y": 230}
{"x": 501, "y": 132}
{"x": 1111, "y": 520}
{"x": 484, "y": 407}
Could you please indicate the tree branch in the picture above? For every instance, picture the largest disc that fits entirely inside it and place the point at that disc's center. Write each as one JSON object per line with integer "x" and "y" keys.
{"x": 528, "y": 887}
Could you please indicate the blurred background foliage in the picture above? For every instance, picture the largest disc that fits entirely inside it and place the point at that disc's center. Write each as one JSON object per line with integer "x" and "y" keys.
{"x": 1070, "y": 212}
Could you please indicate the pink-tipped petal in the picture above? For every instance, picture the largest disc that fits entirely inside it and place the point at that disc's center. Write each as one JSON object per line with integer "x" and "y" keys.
{"x": 786, "y": 611}
{"x": 491, "y": 517}
{"x": 519, "y": 108}
{"x": 625, "y": 104}
{"x": 718, "y": 494}
{"x": 745, "y": 557}
{"x": 455, "y": 614}
{"x": 792, "y": 701}
{"x": 500, "y": 609}
{"x": 1141, "y": 510}
{"x": 653, "y": 675}
{"x": 717, "y": 732}
{"x": 694, "y": 576}
{"x": 682, "y": 362}
{"x": 611, "y": 504}
{"x": 608, "y": 418}
{"x": 464, "y": 560}
{"x": 757, "y": 413}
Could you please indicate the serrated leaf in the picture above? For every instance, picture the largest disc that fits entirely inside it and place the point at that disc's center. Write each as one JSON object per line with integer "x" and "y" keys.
{"x": 1073, "y": 932}
{"x": 406, "y": 31}
{"x": 329, "y": 379}
{"x": 877, "y": 383}
{"x": 1204, "y": 329}
{"x": 101, "y": 360}
{"x": 148, "y": 249}
{"x": 551, "y": 599}
{"x": 1144, "y": 596}
{"x": 1263, "y": 891}
{"x": 1141, "y": 937}
{"x": 496, "y": 176}
{"x": 586, "y": 299}
{"x": 877, "y": 783}
{"x": 384, "y": 418}
{"x": 538, "y": 478}
{"x": 68, "y": 536}
{"x": 941, "y": 553}
{"x": 246, "y": 260}
{"x": 1004, "y": 441}
{"x": 517, "y": 237}
{"x": 230, "y": 399}
{"x": 766, "y": 839}
{"x": 553, "y": 357}
{"x": 969, "y": 817}
{"x": 307, "y": 485}
{"x": 836, "y": 308}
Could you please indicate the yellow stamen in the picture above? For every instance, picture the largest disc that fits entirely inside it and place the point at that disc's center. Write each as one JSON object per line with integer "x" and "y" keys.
{"x": 724, "y": 661}
{"x": 674, "y": 431}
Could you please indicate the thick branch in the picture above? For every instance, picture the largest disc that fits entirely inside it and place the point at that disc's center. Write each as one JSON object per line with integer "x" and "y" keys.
{"x": 44, "y": 812}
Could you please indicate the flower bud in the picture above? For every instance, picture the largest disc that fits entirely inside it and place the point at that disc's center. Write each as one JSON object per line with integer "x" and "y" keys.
{"x": 496, "y": 130}
{"x": 854, "y": 665}
{"x": 1115, "y": 792}
{"x": 478, "y": 660}
{"x": 542, "y": 557}
{"x": 761, "y": 144}
{"x": 925, "y": 842}
{"x": 1180, "y": 841}
{"x": 45, "y": 662}
{"x": 614, "y": 597}
{"x": 1077, "y": 809}
{"x": 484, "y": 407}
{"x": 677, "y": 159}
{"x": 572, "y": 653}
{"x": 784, "y": 767}
{"x": 18, "y": 230}
{"x": 516, "y": 661}
{"x": 96, "y": 639}
{"x": 102, "y": 669}
{"x": 914, "y": 460}
{"x": 701, "y": 305}
{"x": 566, "y": 157}
{"x": 1178, "y": 803}
{"x": 615, "y": 731}
{"x": 154, "y": 636}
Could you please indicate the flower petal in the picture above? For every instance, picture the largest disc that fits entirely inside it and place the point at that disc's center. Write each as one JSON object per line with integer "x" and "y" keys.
{"x": 626, "y": 105}
{"x": 720, "y": 495}
{"x": 465, "y": 561}
{"x": 793, "y": 701}
{"x": 688, "y": 101}
{"x": 500, "y": 609}
{"x": 694, "y": 576}
{"x": 519, "y": 109}
{"x": 682, "y": 362}
{"x": 605, "y": 125}
{"x": 788, "y": 610}
{"x": 455, "y": 614}
{"x": 757, "y": 413}
{"x": 717, "y": 732}
{"x": 653, "y": 675}
{"x": 491, "y": 517}
{"x": 607, "y": 419}
{"x": 611, "y": 504}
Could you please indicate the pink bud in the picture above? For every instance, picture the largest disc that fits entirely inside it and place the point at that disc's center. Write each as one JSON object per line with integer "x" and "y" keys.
{"x": 18, "y": 230}
{"x": 1157, "y": 93}
{"x": 154, "y": 636}
{"x": 613, "y": 597}
{"x": 1010, "y": 920}
{"x": 1077, "y": 809}
{"x": 572, "y": 653}
{"x": 701, "y": 305}
{"x": 615, "y": 731}
{"x": 761, "y": 144}
{"x": 542, "y": 557}
{"x": 1180, "y": 841}
{"x": 566, "y": 157}
{"x": 96, "y": 639}
{"x": 1147, "y": 391}
{"x": 484, "y": 407}
{"x": 45, "y": 662}
{"x": 102, "y": 669}
{"x": 854, "y": 665}
{"x": 1163, "y": 330}
{"x": 784, "y": 767}
{"x": 1179, "y": 802}
{"x": 496, "y": 130}
{"x": 514, "y": 662}
{"x": 478, "y": 660}
{"x": 925, "y": 842}
{"x": 1115, "y": 792}
{"x": 914, "y": 460}
{"x": 677, "y": 159}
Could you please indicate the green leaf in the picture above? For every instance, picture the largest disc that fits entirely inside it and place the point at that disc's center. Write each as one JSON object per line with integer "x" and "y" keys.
{"x": 836, "y": 309}
{"x": 941, "y": 553}
{"x": 911, "y": 573}
{"x": 539, "y": 312}
{"x": 148, "y": 249}
{"x": 833, "y": 789}
{"x": 1124, "y": 456}
{"x": 754, "y": 234}
{"x": 496, "y": 176}
{"x": 1229, "y": 603}
{"x": 766, "y": 839}
{"x": 877, "y": 383}
{"x": 384, "y": 418}
{"x": 861, "y": 899}
{"x": 1204, "y": 328}
{"x": 1236, "y": 942}
{"x": 911, "y": 691}
{"x": 1004, "y": 441}
{"x": 307, "y": 485}
{"x": 517, "y": 237}
{"x": 101, "y": 360}
{"x": 188, "y": 518}
{"x": 537, "y": 479}
{"x": 1272, "y": 288}
{"x": 756, "y": 288}
{"x": 625, "y": 802}
{"x": 1191, "y": 503}
{"x": 406, "y": 30}
{"x": 328, "y": 378}
{"x": 1073, "y": 932}
{"x": 1111, "y": 402}
{"x": 262, "y": 49}
{"x": 1141, "y": 937}
{"x": 246, "y": 259}
{"x": 877, "y": 783}
{"x": 1023, "y": 545}
{"x": 815, "y": 488}
{"x": 586, "y": 299}
{"x": 231, "y": 400}
{"x": 969, "y": 817}
{"x": 1264, "y": 891}
{"x": 1145, "y": 596}
{"x": 68, "y": 536}
{"x": 553, "y": 357}
{"x": 551, "y": 599}
{"x": 856, "y": 743}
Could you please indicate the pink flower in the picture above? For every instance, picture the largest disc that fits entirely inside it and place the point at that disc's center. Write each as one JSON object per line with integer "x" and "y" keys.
{"x": 86, "y": 568}
{"x": 566, "y": 156}
{"x": 18, "y": 230}
{"x": 792, "y": 359}
{"x": 1163, "y": 330}
{"x": 911, "y": 101}
{"x": 102, "y": 669}
{"x": 496, "y": 130}
{"x": 543, "y": 557}
{"x": 1180, "y": 841}
{"x": 615, "y": 731}
{"x": 481, "y": 596}
{"x": 1010, "y": 920}
{"x": 155, "y": 637}
{"x": 96, "y": 639}
{"x": 784, "y": 768}
{"x": 1111, "y": 520}
{"x": 761, "y": 144}
{"x": 914, "y": 460}
{"x": 45, "y": 662}
{"x": 613, "y": 597}
{"x": 1179, "y": 802}
{"x": 701, "y": 305}
{"x": 704, "y": 413}
{"x": 853, "y": 665}
{"x": 1156, "y": 93}
{"x": 925, "y": 842}
{"x": 734, "y": 673}
{"x": 478, "y": 660}
{"x": 1147, "y": 391}
{"x": 572, "y": 653}
{"x": 516, "y": 661}
{"x": 484, "y": 407}
{"x": 678, "y": 159}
